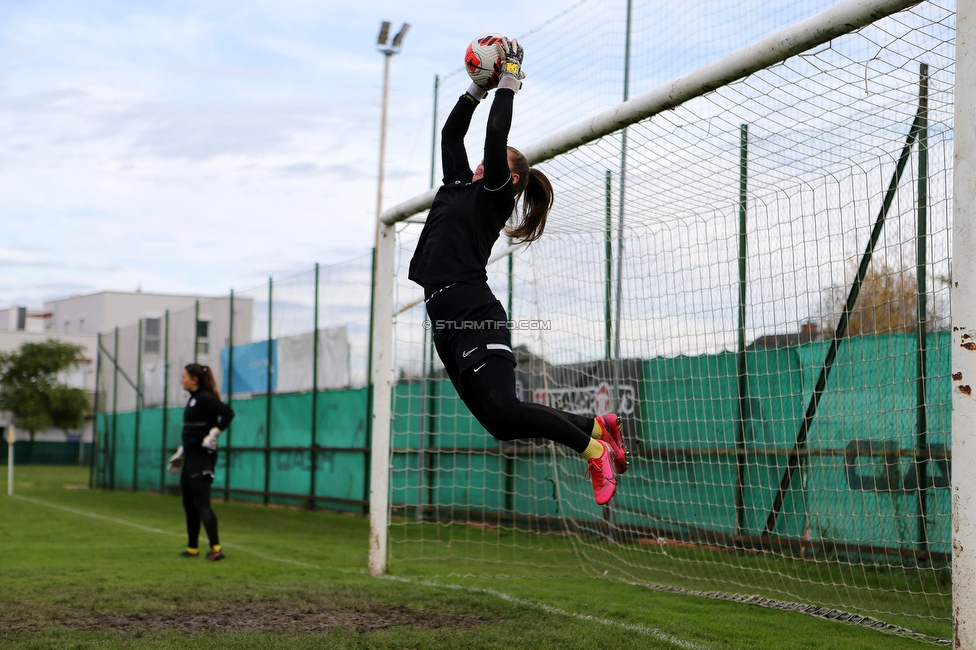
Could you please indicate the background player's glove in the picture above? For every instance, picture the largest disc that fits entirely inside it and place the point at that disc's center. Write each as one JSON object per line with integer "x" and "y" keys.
{"x": 175, "y": 461}
{"x": 210, "y": 442}
{"x": 512, "y": 54}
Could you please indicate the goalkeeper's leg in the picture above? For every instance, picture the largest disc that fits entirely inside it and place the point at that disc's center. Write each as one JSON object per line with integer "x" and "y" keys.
{"x": 489, "y": 393}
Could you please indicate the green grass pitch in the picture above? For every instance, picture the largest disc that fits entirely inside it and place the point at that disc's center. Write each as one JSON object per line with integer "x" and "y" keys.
{"x": 91, "y": 569}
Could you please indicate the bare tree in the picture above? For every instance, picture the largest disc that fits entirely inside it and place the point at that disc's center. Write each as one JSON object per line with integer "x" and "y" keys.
{"x": 887, "y": 303}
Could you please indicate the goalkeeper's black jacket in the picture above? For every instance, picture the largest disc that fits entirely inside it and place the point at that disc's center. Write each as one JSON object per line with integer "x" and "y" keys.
{"x": 203, "y": 411}
{"x": 466, "y": 217}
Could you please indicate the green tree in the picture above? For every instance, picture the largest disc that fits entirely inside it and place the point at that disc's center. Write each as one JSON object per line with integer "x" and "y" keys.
{"x": 30, "y": 390}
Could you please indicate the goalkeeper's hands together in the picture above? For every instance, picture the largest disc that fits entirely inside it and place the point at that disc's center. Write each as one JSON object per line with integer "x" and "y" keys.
{"x": 210, "y": 441}
{"x": 512, "y": 54}
{"x": 175, "y": 461}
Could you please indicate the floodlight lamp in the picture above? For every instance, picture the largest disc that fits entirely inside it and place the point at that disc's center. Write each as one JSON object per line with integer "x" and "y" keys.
{"x": 384, "y": 33}
{"x": 398, "y": 39}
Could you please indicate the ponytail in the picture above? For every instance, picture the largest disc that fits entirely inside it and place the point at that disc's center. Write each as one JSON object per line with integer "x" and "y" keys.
{"x": 536, "y": 192}
{"x": 204, "y": 377}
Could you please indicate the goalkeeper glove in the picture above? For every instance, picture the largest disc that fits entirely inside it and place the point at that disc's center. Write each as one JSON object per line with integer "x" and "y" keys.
{"x": 512, "y": 54}
{"x": 210, "y": 442}
{"x": 176, "y": 461}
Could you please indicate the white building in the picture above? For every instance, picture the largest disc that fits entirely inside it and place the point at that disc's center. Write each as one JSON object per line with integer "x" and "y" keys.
{"x": 199, "y": 326}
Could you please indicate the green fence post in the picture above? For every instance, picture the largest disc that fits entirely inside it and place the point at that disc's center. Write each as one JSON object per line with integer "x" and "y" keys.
{"x": 315, "y": 392}
{"x": 93, "y": 462}
{"x": 430, "y": 428}
{"x": 196, "y": 329}
{"x": 267, "y": 421}
{"x": 162, "y": 463}
{"x": 623, "y": 201}
{"x": 922, "y": 425}
{"x": 230, "y": 394}
{"x": 135, "y": 442}
{"x": 115, "y": 411}
{"x": 741, "y": 367}
{"x": 433, "y": 133}
{"x": 512, "y": 447}
{"x": 421, "y": 438}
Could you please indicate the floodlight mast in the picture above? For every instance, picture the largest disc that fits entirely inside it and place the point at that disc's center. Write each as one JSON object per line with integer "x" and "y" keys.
{"x": 381, "y": 352}
{"x": 388, "y": 52}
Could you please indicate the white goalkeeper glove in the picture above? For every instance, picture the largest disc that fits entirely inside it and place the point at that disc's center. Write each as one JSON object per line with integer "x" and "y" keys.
{"x": 176, "y": 461}
{"x": 477, "y": 92}
{"x": 210, "y": 442}
{"x": 512, "y": 54}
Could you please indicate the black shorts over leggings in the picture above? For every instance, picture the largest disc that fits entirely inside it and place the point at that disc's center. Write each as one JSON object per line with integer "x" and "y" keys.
{"x": 481, "y": 365}
{"x": 468, "y": 325}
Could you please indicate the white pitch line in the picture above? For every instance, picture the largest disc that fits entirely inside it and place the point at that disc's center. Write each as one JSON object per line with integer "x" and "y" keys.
{"x": 95, "y": 515}
{"x": 648, "y": 631}
{"x": 655, "y": 633}
{"x": 160, "y": 531}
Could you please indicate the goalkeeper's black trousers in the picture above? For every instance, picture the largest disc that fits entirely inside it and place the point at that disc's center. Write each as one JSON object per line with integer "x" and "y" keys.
{"x": 489, "y": 393}
{"x": 196, "y": 504}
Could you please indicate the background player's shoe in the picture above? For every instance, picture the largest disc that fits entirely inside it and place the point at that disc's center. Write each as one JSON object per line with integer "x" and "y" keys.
{"x": 189, "y": 554}
{"x": 611, "y": 425}
{"x": 601, "y": 473}
{"x": 214, "y": 556}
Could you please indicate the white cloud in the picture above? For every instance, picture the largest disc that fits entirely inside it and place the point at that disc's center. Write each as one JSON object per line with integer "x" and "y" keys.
{"x": 186, "y": 147}
{"x": 194, "y": 147}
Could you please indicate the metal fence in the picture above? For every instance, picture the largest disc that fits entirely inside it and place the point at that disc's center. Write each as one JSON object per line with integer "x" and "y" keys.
{"x": 290, "y": 357}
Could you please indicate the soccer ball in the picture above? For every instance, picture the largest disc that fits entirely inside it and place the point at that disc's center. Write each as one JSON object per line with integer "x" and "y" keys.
{"x": 483, "y": 61}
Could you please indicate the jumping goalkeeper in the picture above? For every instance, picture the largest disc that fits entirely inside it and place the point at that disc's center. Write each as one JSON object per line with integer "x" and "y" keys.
{"x": 469, "y": 324}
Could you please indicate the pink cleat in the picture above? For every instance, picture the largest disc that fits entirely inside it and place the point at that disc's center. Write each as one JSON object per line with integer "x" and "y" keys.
{"x": 601, "y": 473}
{"x": 611, "y": 425}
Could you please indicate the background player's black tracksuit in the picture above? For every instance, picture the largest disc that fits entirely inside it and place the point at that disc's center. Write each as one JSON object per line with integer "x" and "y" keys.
{"x": 203, "y": 411}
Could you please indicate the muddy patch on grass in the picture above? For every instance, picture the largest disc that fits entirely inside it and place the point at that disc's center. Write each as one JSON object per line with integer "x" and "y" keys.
{"x": 251, "y": 616}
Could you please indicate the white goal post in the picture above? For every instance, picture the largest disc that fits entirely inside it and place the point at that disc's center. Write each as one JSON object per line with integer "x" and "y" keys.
{"x": 963, "y": 296}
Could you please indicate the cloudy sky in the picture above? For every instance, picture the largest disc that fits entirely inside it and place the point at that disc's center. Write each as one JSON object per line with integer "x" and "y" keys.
{"x": 194, "y": 147}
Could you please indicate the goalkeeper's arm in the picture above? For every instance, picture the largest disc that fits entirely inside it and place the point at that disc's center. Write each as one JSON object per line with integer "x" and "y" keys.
{"x": 454, "y": 157}
{"x": 224, "y": 416}
{"x": 497, "y": 172}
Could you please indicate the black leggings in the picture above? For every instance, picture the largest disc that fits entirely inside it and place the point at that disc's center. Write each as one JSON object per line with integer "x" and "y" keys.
{"x": 489, "y": 393}
{"x": 196, "y": 504}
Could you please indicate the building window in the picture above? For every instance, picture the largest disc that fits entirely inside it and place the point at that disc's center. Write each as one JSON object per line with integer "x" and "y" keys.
{"x": 66, "y": 323}
{"x": 81, "y": 325}
{"x": 203, "y": 337}
{"x": 150, "y": 336}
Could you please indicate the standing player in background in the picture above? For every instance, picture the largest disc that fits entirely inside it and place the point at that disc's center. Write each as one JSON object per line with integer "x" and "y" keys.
{"x": 204, "y": 419}
{"x": 470, "y": 325}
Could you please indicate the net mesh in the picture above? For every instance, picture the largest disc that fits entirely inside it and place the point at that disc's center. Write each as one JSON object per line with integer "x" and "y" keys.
{"x": 794, "y": 161}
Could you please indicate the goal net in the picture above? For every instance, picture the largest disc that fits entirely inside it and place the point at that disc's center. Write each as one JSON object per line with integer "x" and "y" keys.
{"x": 755, "y": 277}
